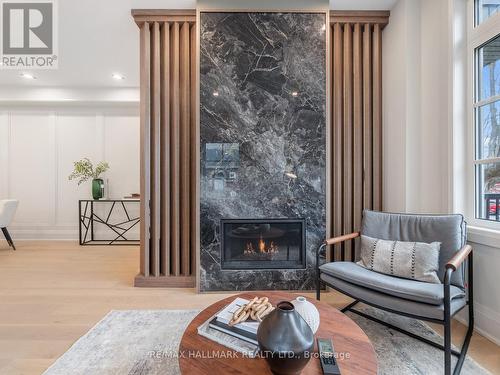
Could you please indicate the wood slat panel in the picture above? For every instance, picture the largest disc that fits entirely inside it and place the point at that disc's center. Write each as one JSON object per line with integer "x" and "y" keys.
{"x": 194, "y": 151}
{"x": 367, "y": 117}
{"x": 347, "y": 139}
{"x": 357, "y": 132}
{"x": 168, "y": 148}
{"x": 377, "y": 118}
{"x": 145, "y": 147}
{"x": 337, "y": 105}
{"x": 356, "y": 123}
{"x": 174, "y": 152}
{"x": 165, "y": 147}
{"x": 185, "y": 124}
{"x": 155, "y": 150}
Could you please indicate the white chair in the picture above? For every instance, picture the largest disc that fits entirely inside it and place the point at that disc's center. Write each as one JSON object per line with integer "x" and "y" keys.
{"x": 8, "y": 208}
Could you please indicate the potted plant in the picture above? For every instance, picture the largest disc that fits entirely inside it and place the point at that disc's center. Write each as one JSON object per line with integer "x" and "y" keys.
{"x": 84, "y": 170}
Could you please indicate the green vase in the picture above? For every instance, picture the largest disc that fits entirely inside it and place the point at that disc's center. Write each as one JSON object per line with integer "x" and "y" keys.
{"x": 97, "y": 188}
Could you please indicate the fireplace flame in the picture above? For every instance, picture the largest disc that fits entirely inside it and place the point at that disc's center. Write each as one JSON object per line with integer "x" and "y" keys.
{"x": 249, "y": 248}
{"x": 263, "y": 248}
{"x": 262, "y": 245}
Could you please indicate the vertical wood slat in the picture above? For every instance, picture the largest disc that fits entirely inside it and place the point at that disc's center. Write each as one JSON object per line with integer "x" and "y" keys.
{"x": 155, "y": 150}
{"x": 377, "y": 118}
{"x": 356, "y": 120}
{"x": 185, "y": 122}
{"x": 337, "y": 136}
{"x": 367, "y": 117}
{"x": 357, "y": 132}
{"x": 168, "y": 152}
{"x": 348, "y": 134}
{"x": 193, "y": 164}
{"x": 174, "y": 151}
{"x": 145, "y": 148}
{"x": 165, "y": 147}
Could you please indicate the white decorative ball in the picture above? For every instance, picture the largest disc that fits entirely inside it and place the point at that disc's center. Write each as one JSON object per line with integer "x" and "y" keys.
{"x": 307, "y": 311}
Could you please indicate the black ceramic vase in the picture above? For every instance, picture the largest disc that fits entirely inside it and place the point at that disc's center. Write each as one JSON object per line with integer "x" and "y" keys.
{"x": 285, "y": 339}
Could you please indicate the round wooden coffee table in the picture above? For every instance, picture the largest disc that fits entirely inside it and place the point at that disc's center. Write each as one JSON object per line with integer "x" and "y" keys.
{"x": 196, "y": 352}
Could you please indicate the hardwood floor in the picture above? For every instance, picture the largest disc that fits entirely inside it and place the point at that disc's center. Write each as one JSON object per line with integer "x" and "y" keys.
{"x": 52, "y": 292}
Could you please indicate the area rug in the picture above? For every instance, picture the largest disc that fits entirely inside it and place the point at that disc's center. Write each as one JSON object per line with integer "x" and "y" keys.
{"x": 398, "y": 353}
{"x": 145, "y": 342}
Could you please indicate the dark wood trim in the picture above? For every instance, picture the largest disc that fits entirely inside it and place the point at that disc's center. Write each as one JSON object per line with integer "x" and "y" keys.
{"x": 165, "y": 281}
{"x": 380, "y": 17}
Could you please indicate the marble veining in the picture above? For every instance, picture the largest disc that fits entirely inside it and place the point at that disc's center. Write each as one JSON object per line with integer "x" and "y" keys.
{"x": 262, "y": 130}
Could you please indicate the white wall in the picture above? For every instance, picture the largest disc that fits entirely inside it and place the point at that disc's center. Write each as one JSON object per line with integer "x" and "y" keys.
{"x": 37, "y": 150}
{"x": 415, "y": 86}
{"x": 423, "y": 118}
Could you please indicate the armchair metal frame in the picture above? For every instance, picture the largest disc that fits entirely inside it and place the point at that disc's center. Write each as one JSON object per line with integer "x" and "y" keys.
{"x": 463, "y": 255}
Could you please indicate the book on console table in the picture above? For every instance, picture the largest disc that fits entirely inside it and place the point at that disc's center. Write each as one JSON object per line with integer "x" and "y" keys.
{"x": 241, "y": 337}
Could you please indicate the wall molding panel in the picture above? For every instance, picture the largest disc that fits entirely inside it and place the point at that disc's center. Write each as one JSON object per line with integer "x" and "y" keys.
{"x": 37, "y": 149}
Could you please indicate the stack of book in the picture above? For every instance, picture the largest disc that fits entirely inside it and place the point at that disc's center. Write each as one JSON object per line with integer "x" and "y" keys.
{"x": 245, "y": 330}
{"x": 241, "y": 337}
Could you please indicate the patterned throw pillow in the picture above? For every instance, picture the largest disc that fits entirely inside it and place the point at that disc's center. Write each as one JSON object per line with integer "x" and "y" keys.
{"x": 410, "y": 260}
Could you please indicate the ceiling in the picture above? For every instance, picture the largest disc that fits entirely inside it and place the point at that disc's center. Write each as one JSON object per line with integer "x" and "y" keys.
{"x": 98, "y": 38}
{"x": 362, "y": 4}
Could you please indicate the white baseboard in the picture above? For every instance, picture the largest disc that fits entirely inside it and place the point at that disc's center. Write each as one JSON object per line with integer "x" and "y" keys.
{"x": 486, "y": 321}
{"x": 56, "y": 232}
{"x": 44, "y": 233}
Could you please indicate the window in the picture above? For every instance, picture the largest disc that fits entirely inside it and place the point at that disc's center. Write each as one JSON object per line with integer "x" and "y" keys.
{"x": 486, "y": 51}
{"x": 485, "y": 9}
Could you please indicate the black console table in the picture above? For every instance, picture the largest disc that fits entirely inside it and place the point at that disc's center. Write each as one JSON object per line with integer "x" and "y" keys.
{"x": 88, "y": 218}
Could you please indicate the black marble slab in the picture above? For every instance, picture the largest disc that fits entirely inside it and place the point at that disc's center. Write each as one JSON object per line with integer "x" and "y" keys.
{"x": 262, "y": 130}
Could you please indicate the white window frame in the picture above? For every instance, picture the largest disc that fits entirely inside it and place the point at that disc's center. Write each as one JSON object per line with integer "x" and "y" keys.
{"x": 476, "y": 36}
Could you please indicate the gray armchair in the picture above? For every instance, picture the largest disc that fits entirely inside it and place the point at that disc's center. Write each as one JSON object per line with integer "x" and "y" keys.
{"x": 436, "y": 303}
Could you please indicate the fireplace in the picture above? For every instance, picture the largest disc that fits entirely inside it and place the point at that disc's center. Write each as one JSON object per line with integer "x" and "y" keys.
{"x": 263, "y": 244}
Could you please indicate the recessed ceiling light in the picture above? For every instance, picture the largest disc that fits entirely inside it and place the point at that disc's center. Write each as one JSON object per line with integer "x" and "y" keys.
{"x": 291, "y": 175}
{"x": 215, "y": 93}
{"x": 295, "y": 93}
{"x": 118, "y": 76}
{"x": 28, "y": 76}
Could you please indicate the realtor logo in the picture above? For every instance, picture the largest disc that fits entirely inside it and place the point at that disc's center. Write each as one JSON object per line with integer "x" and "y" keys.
{"x": 29, "y": 37}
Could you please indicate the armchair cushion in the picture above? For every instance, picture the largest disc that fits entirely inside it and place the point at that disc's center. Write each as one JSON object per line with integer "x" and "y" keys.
{"x": 412, "y": 290}
{"x": 449, "y": 230}
{"x": 391, "y": 303}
